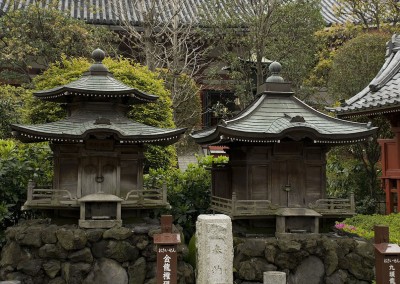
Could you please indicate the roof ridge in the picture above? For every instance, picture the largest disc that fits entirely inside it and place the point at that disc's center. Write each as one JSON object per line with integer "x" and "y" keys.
{"x": 390, "y": 68}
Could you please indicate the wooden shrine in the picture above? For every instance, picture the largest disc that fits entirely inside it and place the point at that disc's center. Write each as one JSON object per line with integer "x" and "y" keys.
{"x": 98, "y": 150}
{"x": 382, "y": 97}
{"x": 277, "y": 159}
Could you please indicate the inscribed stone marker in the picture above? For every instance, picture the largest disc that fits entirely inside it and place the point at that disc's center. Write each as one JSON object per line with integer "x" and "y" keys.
{"x": 214, "y": 245}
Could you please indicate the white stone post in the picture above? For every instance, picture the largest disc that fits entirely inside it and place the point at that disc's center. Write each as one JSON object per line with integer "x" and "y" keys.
{"x": 274, "y": 277}
{"x": 214, "y": 244}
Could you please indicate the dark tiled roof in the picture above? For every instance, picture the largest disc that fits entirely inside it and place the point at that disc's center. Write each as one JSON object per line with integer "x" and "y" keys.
{"x": 278, "y": 115}
{"x": 85, "y": 122}
{"x": 104, "y": 11}
{"x": 100, "y": 108}
{"x": 97, "y": 82}
{"x": 96, "y": 85}
{"x": 273, "y": 117}
{"x": 382, "y": 95}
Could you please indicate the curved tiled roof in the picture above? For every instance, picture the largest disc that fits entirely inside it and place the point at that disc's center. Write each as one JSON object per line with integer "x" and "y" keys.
{"x": 97, "y": 104}
{"x": 382, "y": 95}
{"x": 98, "y": 82}
{"x": 84, "y": 122}
{"x": 94, "y": 85}
{"x": 103, "y": 12}
{"x": 275, "y": 116}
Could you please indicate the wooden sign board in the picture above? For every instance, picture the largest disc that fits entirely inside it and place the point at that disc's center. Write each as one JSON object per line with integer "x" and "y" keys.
{"x": 167, "y": 258}
{"x": 387, "y": 263}
{"x": 167, "y": 239}
{"x": 387, "y": 257}
{"x": 167, "y": 264}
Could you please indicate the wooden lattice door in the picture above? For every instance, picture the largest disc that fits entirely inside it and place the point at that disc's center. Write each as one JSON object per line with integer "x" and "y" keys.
{"x": 99, "y": 174}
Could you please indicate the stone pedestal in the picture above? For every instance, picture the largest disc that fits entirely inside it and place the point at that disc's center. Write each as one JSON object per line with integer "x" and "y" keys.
{"x": 214, "y": 245}
{"x": 297, "y": 220}
{"x": 274, "y": 277}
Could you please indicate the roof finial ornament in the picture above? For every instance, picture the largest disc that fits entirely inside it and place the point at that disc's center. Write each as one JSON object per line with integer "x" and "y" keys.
{"x": 275, "y": 68}
{"x": 98, "y": 55}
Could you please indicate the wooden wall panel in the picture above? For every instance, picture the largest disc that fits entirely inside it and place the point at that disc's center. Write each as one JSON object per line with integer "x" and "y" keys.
{"x": 258, "y": 182}
{"x": 68, "y": 175}
{"x": 314, "y": 186}
{"x": 128, "y": 177}
{"x": 221, "y": 182}
{"x": 239, "y": 182}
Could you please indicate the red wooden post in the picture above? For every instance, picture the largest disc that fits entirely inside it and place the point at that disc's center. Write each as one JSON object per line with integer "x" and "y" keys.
{"x": 387, "y": 257}
{"x": 398, "y": 195}
{"x": 388, "y": 194}
{"x": 167, "y": 258}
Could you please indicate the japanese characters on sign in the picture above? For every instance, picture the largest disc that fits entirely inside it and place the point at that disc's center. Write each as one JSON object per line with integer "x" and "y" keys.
{"x": 167, "y": 259}
{"x": 166, "y": 268}
{"x": 392, "y": 263}
{"x": 387, "y": 258}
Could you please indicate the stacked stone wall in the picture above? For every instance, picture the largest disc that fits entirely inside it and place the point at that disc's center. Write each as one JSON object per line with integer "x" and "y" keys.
{"x": 311, "y": 259}
{"x": 39, "y": 252}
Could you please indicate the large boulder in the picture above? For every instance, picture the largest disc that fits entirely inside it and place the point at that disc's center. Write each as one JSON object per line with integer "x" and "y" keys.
{"x": 118, "y": 233}
{"x": 358, "y": 266}
{"x": 107, "y": 271}
{"x": 12, "y": 254}
{"x": 30, "y": 236}
{"x": 71, "y": 239}
{"x": 52, "y": 267}
{"x": 30, "y": 266}
{"x": 118, "y": 250}
{"x": 140, "y": 241}
{"x": 252, "y": 247}
{"x": 75, "y": 272}
{"x": 52, "y": 251}
{"x": 288, "y": 245}
{"x": 94, "y": 235}
{"x": 121, "y": 251}
{"x": 339, "y": 277}
{"x": 137, "y": 271}
{"x": 83, "y": 255}
{"x": 254, "y": 268}
{"x": 48, "y": 234}
{"x": 185, "y": 273}
{"x": 310, "y": 271}
{"x": 290, "y": 261}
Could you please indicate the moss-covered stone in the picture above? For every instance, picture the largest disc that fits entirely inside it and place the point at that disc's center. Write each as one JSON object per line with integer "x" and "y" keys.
{"x": 254, "y": 268}
{"x": 52, "y": 251}
{"x": 118, "y": 233}
{"x": 48, "y": 234}
{"x": 83, "y": 255}
{"x": 137, "y": 271}
{"x": 52, "y": 267}
{"x": 71, "y": 239}
{"x": 12, "y": 254}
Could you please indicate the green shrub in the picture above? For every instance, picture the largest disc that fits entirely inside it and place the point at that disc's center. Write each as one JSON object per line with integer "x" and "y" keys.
{"x": 188, "y": 192}
{"x": 38, "y": 36}
{"x": 191, "y": 258}
{"x": 363, "y": 225}
{"x": 20, "y": 163}
{"x": 11, "y": 101}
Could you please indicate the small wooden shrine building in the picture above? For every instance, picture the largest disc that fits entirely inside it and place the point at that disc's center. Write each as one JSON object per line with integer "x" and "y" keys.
{"x": 98, "y": 150}
{"x": 382, "y": 97}
{"x": 277, "y": 159}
